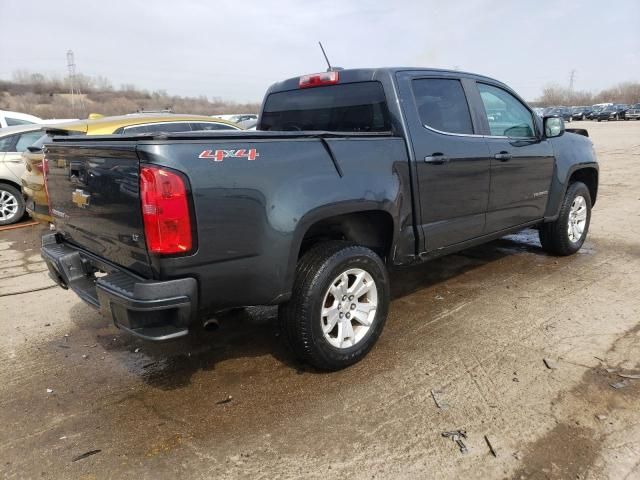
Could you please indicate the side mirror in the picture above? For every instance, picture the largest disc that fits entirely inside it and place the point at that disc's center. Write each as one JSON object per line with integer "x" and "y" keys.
{"x": 553, "y": 126}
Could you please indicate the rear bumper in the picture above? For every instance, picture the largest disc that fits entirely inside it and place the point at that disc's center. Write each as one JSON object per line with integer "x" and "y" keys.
{"x": 153, "y": 310}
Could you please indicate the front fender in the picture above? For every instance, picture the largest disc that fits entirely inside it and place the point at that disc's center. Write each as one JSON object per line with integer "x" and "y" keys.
{"x": 573, "y": 152}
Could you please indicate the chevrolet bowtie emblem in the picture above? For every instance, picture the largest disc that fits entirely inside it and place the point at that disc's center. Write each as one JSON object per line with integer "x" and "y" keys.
{"x": 80, "y": 198}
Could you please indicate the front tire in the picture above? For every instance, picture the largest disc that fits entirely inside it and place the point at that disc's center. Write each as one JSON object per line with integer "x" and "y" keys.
{"x": 566, "y": 235}
{"x": 11, "y": 204}
{"x": 338, "y": 306}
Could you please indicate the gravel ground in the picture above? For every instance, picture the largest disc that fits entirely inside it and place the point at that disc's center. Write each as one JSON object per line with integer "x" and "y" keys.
{"x": 475, "y": 326}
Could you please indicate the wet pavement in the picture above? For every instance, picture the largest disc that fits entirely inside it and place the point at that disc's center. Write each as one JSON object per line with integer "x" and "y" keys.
{"x": 80, "y": 399}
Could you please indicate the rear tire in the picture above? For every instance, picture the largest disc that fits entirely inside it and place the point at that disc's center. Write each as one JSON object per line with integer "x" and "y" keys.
{"x": 338, "y": 306}
{"x": 566, "y": 235}
{"x": 11, "y": 204}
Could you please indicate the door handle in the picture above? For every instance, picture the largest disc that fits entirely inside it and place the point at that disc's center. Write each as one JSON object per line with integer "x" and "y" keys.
{"x": 503, "y": 156}
{"x": 436, "y": 159}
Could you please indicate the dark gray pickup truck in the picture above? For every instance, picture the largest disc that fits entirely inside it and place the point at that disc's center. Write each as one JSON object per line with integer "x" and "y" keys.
{"x": 349, "y": 173}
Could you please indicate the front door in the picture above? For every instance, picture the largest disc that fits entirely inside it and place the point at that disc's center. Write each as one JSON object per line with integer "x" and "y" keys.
{"x": 522, "y": 161}
{"x": 452, "y": 161}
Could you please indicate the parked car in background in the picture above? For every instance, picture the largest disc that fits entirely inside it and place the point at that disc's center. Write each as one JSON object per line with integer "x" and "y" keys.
{"x": 611, "y": 112}
{"x": 580, "y": 113}
{"x": 634, "y": 112}
{"x": 13, "y": 141}
{"x": 35, "y": 195}
{"x": 13, "y": 119}
{"x": 597, "y": 108}
{"x": 563, "y": 112}
{"x": 539, "y": 111}
{"x": 622, "y": 111}
{"x": 249, "y": 124}
{"x": 238, "y": 117}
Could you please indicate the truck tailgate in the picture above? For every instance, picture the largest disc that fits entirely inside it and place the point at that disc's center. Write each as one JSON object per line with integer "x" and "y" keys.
{"x": 95, "y": 200}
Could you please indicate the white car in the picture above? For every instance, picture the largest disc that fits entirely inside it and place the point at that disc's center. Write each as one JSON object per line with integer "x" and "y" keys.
{"x": 14, "y": 141}
{"x": 237, "y": 117}
{"x": 12, "y": 119}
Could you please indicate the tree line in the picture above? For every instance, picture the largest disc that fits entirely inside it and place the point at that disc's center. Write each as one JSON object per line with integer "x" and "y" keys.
{"x": 49, "y": 97}
{"x": 626, "y": 93}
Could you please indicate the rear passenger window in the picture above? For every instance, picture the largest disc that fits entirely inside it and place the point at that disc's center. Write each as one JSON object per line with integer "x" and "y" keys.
{"x": 164, "y": 127}
{"x": 27, "y": 139}
{"x": 12, "y": 122}
{"x": 442, "y": 105}
{"x": 6, "y": 143}
{"x": 506, "y": 115}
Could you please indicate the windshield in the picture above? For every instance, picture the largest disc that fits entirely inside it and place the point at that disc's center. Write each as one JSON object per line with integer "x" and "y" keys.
{"x": 349, "y": 107}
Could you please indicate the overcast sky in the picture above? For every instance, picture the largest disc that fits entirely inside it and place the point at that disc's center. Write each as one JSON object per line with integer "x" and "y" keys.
{"x": 235, "y": 49}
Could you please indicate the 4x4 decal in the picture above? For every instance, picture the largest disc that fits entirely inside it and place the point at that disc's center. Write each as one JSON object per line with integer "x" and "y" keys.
{"x": 220, "y": 155}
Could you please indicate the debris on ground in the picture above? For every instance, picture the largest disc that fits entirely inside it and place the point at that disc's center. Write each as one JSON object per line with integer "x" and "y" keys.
{"x": 47, "y": 324}
{"x": 49, "y": 390}
{"x": 136, "y": 350}
{"x": 619, "y": 385}
{"x": 611, "y": 370}
{"x": 226, "y": 400}
{"x": 491, "y": 446}
{"x": 85, "y": 455}
{"x": 457, "y": 436}
{"x": 439, "y": 297}
{"x": 632, "y": 376}
{"x": 85, "y": 356}
{"x": 438, "y": 398}
{"x": 600, "y": 416}
{"x": 517, "y": 455}
{"x": 551, "y": 364}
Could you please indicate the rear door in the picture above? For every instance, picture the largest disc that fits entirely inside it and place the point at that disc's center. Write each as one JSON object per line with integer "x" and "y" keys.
{"x": 95, "y": 199}
{"x": 522, "y": 162}
{"x": 451, "y": 158}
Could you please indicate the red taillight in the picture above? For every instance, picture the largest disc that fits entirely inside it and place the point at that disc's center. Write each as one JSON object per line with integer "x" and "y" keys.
{"x": 318, "y": 79}
{"x": 165, "y": 211}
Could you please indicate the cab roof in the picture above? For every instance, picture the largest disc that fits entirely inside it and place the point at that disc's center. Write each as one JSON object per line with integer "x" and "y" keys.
{"x": 368, "y": 74}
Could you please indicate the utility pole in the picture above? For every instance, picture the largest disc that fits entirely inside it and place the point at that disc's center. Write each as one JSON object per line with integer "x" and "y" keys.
{"x": 71, "y": 66}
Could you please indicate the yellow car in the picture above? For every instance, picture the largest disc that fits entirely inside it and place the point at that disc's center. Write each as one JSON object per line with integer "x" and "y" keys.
{"x": 33, "y": 189}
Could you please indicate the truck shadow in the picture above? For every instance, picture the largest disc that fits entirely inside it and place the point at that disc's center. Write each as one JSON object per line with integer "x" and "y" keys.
{"x": 254, "y": 332}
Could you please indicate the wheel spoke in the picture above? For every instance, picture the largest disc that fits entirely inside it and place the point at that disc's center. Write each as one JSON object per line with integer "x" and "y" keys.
{"x": 332, "y": 315}
{"x": 361, "y": 314}
{"x": 360, "y": 285}
{"x": 345, "y": 334}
